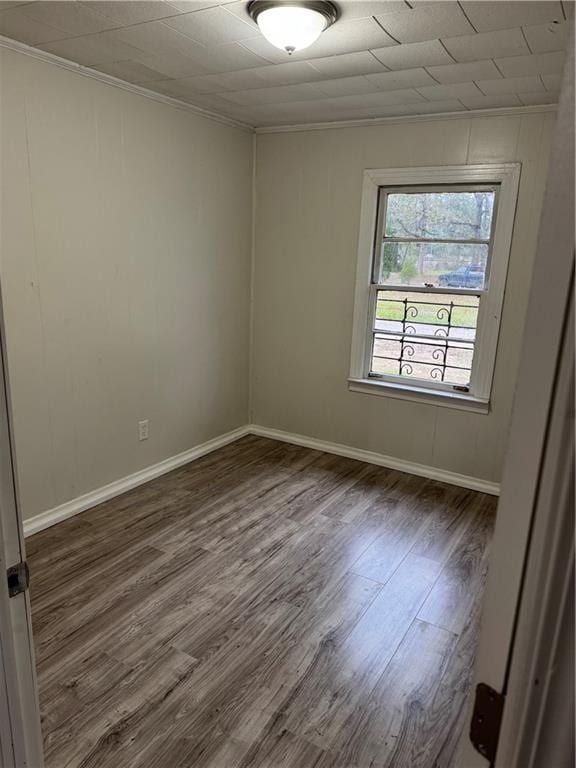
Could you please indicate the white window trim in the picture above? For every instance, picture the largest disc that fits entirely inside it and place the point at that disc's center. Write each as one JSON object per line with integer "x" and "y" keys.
{"x": 507, "y": 176}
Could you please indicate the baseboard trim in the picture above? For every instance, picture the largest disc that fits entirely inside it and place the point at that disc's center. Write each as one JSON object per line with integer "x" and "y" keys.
{"x": 88, "y": 500}
{"x": 106, "y": 492}
{"x": 370, "y": 457}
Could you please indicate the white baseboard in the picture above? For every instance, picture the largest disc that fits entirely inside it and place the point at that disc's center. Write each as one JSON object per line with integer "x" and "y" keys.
{"x": 370, "y": 457}
{"x": 106, "y": 492}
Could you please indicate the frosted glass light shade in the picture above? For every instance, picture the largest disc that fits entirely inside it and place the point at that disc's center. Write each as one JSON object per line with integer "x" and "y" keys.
{"x": 291, "y": 28}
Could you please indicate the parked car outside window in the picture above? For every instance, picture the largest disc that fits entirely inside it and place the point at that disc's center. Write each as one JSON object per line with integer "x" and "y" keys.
{"x": 463, "y": 277}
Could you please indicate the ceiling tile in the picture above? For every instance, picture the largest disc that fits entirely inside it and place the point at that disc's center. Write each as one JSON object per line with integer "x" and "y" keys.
{"x": 379, "y": 98}
{"x": 212, "y": 26}
{"x": 205, "y": 84}
{"x": 408, "y": 96}
{"x": 125, "y": 13}
{"x": 320, "y": 114}
{"x": 426, "y": 54}
{"x": 288, "y": 74}
{"x": 275, "y": 95}
{"x": 73, "y": 18}
{"x": 187, "y": 90}
{"x": 347, "y": 107}
{"x": 487, "y": 45}
{"x": 157, "y": 38}
{"x": 357, "y": 9}
{"x": 344, "y": 37}
{"x": 261, "y": 47}
{"x": 256, "y": 116}
{"x": 436, "y": 107}
{"x": 543, "y": 38}
{"x": 212, "y": 102}
{"x": 528, "y": 84}
{"x": 552, "y": 82}
{"x": 308, "y": 111}
{"x": 227, "y": 58}
{"x": 260, "y": 77}
{"x": 173, "y": 65}
{"x": 348, "y": 64}
{"x": 243, "y": 80}
{"x": 175, "y": 88}
{"x": 240, "y": 9}
{"x": 346, "y": 86}
{"x": 260, "y": 116}
{"x": 491, "y": 102}
{"x": 449, "y": 92}
{"x": 464, "y": 73}
{"x": 102, "y": 48}
{"x": 189, "y": 6}
{"x": 407, "y": 78}
{"x": 384, "y": 111}
{"x": 402, "y": 110}
{"x": 487, "y": 15}
{"x": 371, "y": 112}
{"x": 131, "y": 71}
{"x": 426, "y": 22}
{"x": 538, "y": 64}
{"x": 298, "y": 113}
{"x": 534, "y": 99}
{"x": 350, "y": 36}
{"x": 16, "y": 24}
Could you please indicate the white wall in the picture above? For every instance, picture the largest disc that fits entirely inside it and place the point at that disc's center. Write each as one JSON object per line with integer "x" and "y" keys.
{"x": 125, "y": 264}
{"x": 308, "y": 199}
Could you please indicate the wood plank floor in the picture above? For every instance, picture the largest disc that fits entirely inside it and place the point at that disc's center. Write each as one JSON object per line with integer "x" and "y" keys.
{"x": 267, "y": 606}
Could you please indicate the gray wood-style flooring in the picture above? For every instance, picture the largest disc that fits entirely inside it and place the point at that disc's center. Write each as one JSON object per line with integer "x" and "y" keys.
{"x": 267, "y": 606}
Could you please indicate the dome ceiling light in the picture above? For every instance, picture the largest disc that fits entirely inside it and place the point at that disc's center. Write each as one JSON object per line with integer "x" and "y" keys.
{"x": 292, "y": 25}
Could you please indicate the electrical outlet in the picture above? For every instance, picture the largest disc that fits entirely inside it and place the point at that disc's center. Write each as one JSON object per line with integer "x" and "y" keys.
{"x": 143, "y": 429}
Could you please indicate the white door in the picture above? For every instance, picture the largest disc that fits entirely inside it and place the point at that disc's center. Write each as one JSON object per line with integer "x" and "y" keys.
{"x": 536, "y": 401}
{"x": 20, "y": 736}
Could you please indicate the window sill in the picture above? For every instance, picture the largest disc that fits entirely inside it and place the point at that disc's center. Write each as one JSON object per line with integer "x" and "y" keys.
{"x": 456, "y": 400}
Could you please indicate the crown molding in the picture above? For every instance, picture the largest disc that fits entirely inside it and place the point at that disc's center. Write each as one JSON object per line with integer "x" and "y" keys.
{"x": 94, "y": 74}
{"x": 367, "y": 121}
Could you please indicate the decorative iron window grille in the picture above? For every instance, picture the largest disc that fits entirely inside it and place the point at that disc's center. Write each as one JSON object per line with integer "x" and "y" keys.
{"x": 424, "y": 336}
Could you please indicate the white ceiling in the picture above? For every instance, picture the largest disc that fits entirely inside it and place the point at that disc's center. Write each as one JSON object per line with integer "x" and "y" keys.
{"x": 382, "y": 58}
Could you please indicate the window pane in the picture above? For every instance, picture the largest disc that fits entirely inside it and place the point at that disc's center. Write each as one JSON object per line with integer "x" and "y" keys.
{"x": 456, "y": 265}
{"x": 440, "y": 215}
{"x": 425, "y": 336}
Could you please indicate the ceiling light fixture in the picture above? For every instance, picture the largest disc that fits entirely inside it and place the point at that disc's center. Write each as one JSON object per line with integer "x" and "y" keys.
{"x": 292, "y": 25}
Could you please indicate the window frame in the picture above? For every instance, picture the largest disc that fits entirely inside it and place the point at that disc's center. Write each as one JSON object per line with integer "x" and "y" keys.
{"x": 377, "y": 182}
{"x": 376, "y": 288}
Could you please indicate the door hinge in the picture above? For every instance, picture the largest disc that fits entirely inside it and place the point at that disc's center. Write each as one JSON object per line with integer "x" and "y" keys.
{"x": 18, "y": 578}
{"x": 486, "y": 721}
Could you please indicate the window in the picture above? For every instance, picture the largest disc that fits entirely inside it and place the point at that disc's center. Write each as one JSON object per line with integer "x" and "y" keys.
{"x": 432, "y": 265}
{"x": 430, "y": 271}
